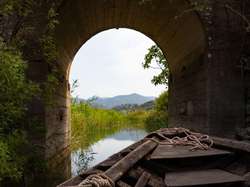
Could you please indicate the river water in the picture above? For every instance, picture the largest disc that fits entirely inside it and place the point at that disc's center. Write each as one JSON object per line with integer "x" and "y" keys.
{"x": 83, "y": 159}
{"x": 75, "y": 162}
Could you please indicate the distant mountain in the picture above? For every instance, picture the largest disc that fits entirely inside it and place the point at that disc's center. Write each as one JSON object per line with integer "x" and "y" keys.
{"x": 112, "y": 102}
{"x": 149, "y": 105}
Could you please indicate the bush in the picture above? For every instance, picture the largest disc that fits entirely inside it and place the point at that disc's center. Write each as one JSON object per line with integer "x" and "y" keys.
{"x": 91, "y": 124}
{"x": 156, "y": 120}
{"x": 15, "y": 93}
{"x": 161, "y": 103}
{"x": 12, "y": 162}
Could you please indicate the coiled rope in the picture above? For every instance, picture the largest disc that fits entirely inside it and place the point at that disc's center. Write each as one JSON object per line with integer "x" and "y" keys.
{"x": 182, "y": 136}
{"x": 195, "y": 140}
{"x": 97, "y": 180}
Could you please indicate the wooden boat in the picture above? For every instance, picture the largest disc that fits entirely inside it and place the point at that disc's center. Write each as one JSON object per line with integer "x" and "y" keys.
{"x": 173, "y": 157}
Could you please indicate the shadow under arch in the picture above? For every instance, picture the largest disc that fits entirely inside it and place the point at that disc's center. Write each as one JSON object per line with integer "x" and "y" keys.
{"x": 180, "y": 35}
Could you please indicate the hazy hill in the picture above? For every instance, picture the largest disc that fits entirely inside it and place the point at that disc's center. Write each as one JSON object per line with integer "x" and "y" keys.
{"x": 112, "y": 102}
{"x": 132, "y": 107}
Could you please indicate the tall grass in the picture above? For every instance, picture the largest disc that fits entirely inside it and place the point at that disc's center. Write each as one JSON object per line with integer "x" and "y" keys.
{"x": 90, "y": 125}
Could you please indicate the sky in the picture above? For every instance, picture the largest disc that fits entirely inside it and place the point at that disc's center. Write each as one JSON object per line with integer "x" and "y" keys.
{"x": 110, "y": 64}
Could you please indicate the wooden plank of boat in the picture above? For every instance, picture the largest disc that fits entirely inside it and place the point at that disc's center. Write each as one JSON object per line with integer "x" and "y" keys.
{"x": 122, "y": 184}
{"x": 90, "y": 171}
{"x": 121, "y": 167}
{"x": 71, "y": 182}
{"x": 173, "y": 152}
{"x": 77, "y": 179}
{"x": 143, "y": 180}
{"x": 232, "y": 144}
{"x": 127, "y": 162}
{"x": 110, "y": 161}
{"x": 167, "y": 132}
{"x": 154, "y": 180}
{"x": 201, "y": 177}
{"x": 118, "y": 156}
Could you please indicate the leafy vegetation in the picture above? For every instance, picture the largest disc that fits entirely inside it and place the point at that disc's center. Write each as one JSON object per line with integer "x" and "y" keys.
{"x": 15, "y": 92}
{"x": 155, "y": 59}
{"x": 159, "y": 116}
{"x": 133, "y": 107}
{"x": 162, "y": 102}
{"x": 91, "y": 124}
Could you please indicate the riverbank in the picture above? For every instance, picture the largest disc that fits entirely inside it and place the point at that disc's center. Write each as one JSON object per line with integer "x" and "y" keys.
{"x": 90, "y": 124}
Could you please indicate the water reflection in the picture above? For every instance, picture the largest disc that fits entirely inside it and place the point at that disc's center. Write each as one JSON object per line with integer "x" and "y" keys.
{"x": 83, "y": 159}
{"x": 80, "y": 160}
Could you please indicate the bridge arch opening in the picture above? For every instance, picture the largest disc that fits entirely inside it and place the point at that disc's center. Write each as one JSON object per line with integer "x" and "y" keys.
{"x": 110, "y": 64}
{"x": 180, "y": 35}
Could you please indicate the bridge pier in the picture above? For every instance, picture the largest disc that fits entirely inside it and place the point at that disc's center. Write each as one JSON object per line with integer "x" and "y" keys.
{"x": 203, "y": 50}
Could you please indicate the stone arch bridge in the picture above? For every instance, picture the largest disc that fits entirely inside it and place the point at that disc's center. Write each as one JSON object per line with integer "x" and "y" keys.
{"x": 207, "y": 50}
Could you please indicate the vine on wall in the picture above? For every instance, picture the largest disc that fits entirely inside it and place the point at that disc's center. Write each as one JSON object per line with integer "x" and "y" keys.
{"x": 19, "y": 23}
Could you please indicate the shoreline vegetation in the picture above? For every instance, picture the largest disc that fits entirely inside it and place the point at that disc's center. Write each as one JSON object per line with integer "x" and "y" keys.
{"x": 90, "y": 124}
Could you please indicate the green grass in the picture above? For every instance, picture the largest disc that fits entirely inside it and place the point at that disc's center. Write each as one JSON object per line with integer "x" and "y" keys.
{"x": 90, "y": 125}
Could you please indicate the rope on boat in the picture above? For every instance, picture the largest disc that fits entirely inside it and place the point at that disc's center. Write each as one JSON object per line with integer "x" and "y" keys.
{"x": 195, "y": 140}
{"x": 182, "y": 136}
{"x": 97, "y": 180}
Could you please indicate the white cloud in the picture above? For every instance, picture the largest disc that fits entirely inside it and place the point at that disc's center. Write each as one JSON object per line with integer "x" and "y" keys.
{"x": 110, "y": 64}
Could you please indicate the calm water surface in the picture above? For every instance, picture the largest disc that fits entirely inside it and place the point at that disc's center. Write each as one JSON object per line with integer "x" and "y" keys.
{"x": 83, "y": 159}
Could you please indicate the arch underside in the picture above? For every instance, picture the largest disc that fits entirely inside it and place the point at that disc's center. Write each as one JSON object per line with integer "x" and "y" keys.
{"x": 178, "y": 32}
